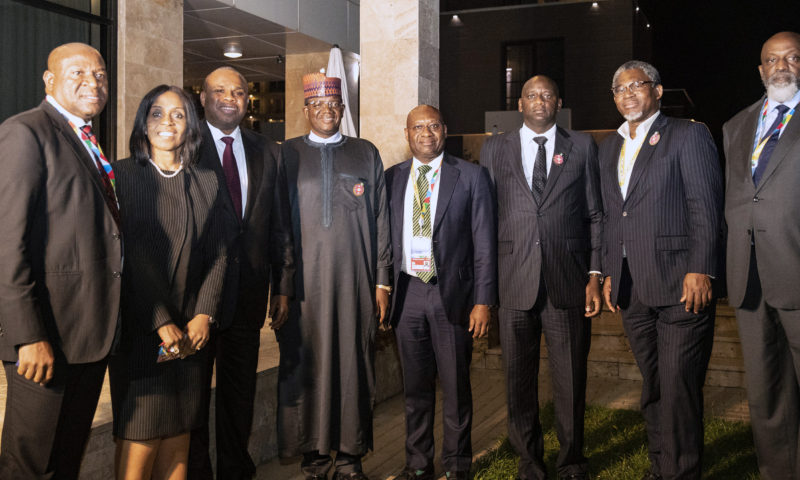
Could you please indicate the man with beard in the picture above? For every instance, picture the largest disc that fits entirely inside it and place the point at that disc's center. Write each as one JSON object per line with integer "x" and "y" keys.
{"x": 662, "y": 193}
{"x": 762, "y": 175}
{"x": 340, "y": 218}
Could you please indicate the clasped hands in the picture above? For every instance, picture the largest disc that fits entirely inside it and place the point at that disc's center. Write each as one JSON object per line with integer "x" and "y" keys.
{"x": 179, "y": 343}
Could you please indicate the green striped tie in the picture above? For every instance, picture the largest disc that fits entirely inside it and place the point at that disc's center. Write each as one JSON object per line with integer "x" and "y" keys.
{"x": 422, "y": 218}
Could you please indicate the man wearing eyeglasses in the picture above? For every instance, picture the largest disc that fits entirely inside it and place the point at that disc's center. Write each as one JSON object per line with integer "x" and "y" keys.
{"x": 340, "y": 218}
{"x": 662, "y": 193}
{"x": 547, "y": 189}
{"x": 762, "y": 148}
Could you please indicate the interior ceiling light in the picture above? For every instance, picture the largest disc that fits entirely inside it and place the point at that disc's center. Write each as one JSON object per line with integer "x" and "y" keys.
{"x": 232, "y": 50}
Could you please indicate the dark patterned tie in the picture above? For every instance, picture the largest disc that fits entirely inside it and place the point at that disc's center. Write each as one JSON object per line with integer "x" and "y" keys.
{"x": 232, "y": 175}
{"x": 421, "y": 217}
{"x": 766, "y": 152}
{"x": 108, "y": 188}
{"x": 539, "y": 170}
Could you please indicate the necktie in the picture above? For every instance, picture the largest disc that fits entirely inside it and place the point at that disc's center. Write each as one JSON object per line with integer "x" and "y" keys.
{"x": 108, "y": 187}
{"x": 766, "y": 152}
{"x": 421, "y": 215}
{"x": 232, "y": 175}
{"x": 539, "y": 169}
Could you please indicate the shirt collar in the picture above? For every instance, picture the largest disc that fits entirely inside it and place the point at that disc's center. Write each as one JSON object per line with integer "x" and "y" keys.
{"x": 641, "y": 130}
{"x": 434, "y": 164}
{"x": 217, "y": 134}
{"x": 76, "y": 120}
{"x": 527, "y": 135}
{"x": 332, "y": 139}
{"x": 791, "y": 103}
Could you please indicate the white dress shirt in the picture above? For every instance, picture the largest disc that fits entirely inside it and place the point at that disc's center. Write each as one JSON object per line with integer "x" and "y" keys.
{"x": 631, "y": 146}
{"x": 772, "y": 113}
{"x": 238, "y": 153}
{"x": 408, "y": 210}
{"x": 530, "y": 148}
{"x": 77, "y": 121}
{"x": 332, "y": 139}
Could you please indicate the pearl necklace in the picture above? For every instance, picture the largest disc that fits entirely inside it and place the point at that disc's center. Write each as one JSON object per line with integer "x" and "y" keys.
{"x": 160, "y": 172}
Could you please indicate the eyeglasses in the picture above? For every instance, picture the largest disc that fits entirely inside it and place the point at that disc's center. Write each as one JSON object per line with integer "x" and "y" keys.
{"x": 317, "y": 104}
{"x": 633, "y": 87}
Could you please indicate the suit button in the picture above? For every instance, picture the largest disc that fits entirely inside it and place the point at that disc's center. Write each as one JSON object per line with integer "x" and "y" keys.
{"x": 755, "y": 199}
{"x": 537, "y": 242}
{"x": 115, "y": 236}
{"x": 624, "y": 214}
{"x": 116, "y": 274}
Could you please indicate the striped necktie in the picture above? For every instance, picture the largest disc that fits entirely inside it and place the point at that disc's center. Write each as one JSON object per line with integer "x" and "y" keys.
{"x": 421, "y": 215}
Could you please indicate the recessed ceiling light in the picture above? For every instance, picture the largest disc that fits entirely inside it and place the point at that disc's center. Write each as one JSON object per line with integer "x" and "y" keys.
{"x": 232, "y": 50}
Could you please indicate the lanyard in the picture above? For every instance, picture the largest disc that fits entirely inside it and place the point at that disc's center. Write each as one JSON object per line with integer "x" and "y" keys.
{"x": 760, "y": 145}
{"x": 622, "y": 165}
{"x": 424, "y": 203}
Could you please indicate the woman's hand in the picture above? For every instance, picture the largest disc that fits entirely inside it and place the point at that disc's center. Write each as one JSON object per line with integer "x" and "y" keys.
{"x": 198, "y": 331}
{"x": 171, "y": 335}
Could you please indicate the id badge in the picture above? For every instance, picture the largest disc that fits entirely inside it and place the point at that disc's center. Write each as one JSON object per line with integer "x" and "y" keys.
{"x": 421, "y": 254}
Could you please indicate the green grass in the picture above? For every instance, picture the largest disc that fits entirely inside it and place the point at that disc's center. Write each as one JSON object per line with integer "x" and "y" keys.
{"x": 615, "y": 444}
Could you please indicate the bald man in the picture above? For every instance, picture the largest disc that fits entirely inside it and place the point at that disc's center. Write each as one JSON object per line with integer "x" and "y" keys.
{"x": 762, "y": 173}
{"x": 444, "y": 251}
{"x": 547, "y": 186}
{"x": 60, "y": 268}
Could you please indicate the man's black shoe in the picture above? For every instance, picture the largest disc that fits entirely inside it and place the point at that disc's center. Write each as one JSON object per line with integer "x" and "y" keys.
{"x": 317, "y": 476}
{"x": 413, "y": 474}
{"x": 651, "y": 476}
{"x": 350, "y": 476}
{"x": 574, "y": 476}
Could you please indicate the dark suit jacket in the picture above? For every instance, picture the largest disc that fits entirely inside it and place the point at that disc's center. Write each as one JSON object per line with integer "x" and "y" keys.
{"x": 768, "y": 214}
{"x": 464, "y": 236}
{"x": 260, "y": 247}
{"x": 670, "y": 220}
{"x": 560, "y": 239}
{"x": 60, "y": 249}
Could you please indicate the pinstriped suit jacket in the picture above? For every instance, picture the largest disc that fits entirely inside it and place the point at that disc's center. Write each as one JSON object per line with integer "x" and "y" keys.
{"x": 670, "y": 220}
{"x": 770, "y": 211}
{"x": 562, "y": 237}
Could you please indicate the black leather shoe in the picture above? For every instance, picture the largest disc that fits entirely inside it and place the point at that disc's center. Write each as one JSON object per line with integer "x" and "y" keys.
{"x": 350, "y": 476}
{"x": 651, "y": 476}
{"x": 413, "y": 474}
{"x": 457, "y": 475}
{"x": 317, "y": 476}
{"x": 574, "y": 476}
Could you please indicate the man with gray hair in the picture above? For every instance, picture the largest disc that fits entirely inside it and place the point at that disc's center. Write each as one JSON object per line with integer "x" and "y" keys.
{"x": 763, "y": 149}
{"x": 662, "y": 193}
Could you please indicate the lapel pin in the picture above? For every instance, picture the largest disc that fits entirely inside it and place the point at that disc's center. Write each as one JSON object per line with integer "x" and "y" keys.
{"x": 558, "y": 158}
{"x": 655, "y": 138}
{"x": 358, "y": 189}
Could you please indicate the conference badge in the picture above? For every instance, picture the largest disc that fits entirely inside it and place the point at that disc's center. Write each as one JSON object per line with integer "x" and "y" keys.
{"x": 558, "y": 158}
{"x": 655, "y": 138}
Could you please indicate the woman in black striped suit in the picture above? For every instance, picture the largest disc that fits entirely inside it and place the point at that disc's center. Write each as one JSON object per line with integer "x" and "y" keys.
{"x": 172, "y": 283}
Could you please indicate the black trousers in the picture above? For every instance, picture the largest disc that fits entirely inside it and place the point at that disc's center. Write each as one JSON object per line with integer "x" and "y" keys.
{"x": 427, "y": 343}
{"x": 568, "y": 336}
{"x": 672, "y": 348}
{"x": 46, "y": 428}
{"x": 771, "y": 348}
{"x": 235, "y": 350}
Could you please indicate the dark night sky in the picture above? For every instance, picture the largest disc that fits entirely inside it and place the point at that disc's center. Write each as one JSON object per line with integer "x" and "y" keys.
{"x": 712, "y": 49}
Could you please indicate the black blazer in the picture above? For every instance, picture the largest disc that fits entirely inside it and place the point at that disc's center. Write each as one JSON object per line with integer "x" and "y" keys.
{"x": 60, "y": 248}
{"x": 670, "y": 220}
{"x": 768, "y": 214}
{"x": 260, "y": 245}
{"x": 559, "y": 240}
{"x": 464, "y": 236}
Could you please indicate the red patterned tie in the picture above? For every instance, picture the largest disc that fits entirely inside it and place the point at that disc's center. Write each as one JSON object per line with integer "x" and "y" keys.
{"x": 232, "y": 175}
{"x": 108, "y": 188}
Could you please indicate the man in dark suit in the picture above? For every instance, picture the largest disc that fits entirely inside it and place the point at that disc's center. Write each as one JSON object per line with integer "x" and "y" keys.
{"x": 662, "y": 194}
{"x": 260, "y": 253}
{"x": 443, "y": 246}
{"x": 762, "y": 148}
{"x": 61, "y": 258}
{"x": 550, "y": 216}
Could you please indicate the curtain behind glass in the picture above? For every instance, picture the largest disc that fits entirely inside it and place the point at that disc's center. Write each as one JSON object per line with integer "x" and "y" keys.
{"x": 27, "y": 35}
